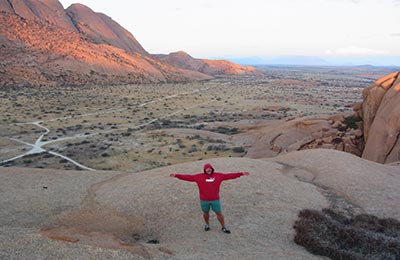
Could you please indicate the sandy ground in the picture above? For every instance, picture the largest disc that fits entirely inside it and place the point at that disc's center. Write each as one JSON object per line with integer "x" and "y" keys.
{"x": 107, "y": 215}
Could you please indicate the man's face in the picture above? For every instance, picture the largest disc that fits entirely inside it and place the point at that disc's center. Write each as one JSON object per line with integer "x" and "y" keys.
{"x": 209, "y": 171}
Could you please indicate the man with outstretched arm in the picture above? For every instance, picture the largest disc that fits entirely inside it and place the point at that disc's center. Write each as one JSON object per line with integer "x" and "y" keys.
{"x": 209, "y": 183}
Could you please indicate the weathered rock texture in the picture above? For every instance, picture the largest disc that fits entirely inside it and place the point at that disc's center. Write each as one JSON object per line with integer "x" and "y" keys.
{"x": 99, "y": 28}
{"x": 44, "y": 10}
{"x": 380, "y": 112}
{"x": 103, "y": 215}
{"x": 300, "y": 133}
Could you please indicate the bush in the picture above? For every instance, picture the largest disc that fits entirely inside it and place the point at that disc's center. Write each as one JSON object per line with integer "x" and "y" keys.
{"x": 331, "y": 234}
{"x": 351, "y": 122}
{"x": 217, "y": 147}
{"x": 239, "y": 149}
{"x": 226, "y": 130}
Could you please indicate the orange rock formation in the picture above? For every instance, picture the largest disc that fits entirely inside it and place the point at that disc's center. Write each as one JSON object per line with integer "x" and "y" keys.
{"x": 43, "y": 44}
{"x": 380, "y": 112}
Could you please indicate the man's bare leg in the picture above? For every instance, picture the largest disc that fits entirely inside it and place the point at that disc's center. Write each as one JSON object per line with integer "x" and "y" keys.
{"x": 221, "y": 220}
{"x": 206, "y": 216}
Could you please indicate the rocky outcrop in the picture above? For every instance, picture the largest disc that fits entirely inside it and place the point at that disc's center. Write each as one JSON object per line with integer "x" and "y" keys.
{"x": 380, "y": 111}
{"x": 99, "y": 28}
{"x": 221, "y": 67}
{"x": 372, "y": 99}
{"x": 183, "y": 60}
{"x": 301, "y": 133}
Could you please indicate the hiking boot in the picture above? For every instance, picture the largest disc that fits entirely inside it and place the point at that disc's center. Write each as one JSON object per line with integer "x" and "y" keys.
{"x": 225, "y": 230}
{"x": 206, "y": 227}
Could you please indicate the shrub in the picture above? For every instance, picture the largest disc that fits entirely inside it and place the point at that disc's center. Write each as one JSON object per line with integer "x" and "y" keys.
{"x": 239, "y": 149}
{"x": 334, "y": 235}
{"x": 226, "y": 130}
{"x": 351, "y": 122}
{"x": 217, "y": 147}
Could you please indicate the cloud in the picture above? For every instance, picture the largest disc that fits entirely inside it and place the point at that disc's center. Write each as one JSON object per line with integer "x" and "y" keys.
{"x": 355, "y": 51}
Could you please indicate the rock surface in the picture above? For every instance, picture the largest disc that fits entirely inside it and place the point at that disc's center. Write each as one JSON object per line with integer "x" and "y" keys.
{"x": 380, "y": 112}
{"x": 115, "y": 214}
{"x": 99, "y": 28}
{"x": 300, "y": 133}
{"x": 44, "y": 10}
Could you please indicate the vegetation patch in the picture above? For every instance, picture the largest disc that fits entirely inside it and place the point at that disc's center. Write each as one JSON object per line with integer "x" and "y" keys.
{"x": 351, "y": 122}
{"x": 226, "y": 130}
{"x": 334, "y": 235}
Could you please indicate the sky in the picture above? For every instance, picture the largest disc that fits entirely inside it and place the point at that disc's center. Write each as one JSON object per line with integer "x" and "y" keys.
{"x": 332, "y": 29}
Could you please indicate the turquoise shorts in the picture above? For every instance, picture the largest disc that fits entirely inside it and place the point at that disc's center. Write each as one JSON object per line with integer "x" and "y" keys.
{"x": 214, "y": 204}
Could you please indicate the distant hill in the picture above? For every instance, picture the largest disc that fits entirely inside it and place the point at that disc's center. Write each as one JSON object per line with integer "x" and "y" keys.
{"x": 383, "y": 61}
{"x": 183, "y": 60}
{"x": 43, "y": 44}
{"x": 284, "y": 60}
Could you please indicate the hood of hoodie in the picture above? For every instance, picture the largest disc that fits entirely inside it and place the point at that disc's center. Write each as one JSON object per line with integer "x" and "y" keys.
{"x": 206, "y": 166}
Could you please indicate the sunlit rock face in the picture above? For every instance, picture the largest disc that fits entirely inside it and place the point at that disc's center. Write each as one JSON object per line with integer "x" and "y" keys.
{"x": 380, "y": 111}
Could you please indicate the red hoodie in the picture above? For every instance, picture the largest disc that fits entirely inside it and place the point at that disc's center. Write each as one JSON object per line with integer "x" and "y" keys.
{"x": 209, "y": 184}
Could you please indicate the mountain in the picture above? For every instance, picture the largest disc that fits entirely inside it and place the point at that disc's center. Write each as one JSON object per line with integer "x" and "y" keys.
{"x": 99, "y": 28}
{"x": 183, "y": 60}
{"x": 43, "y": 44}
{"x": 36, "y": 53}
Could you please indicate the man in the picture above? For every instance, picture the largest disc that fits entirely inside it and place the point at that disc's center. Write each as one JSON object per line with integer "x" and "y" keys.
{"x": 209, "y": 183}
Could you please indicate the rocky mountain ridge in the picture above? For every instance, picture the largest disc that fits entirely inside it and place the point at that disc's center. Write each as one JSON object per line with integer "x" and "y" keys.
{"x": 43, "y": 44}
{"x": 35, "y": 53}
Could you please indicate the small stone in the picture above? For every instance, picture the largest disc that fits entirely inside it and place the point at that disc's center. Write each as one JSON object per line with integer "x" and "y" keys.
{"x": 327, "y": 140}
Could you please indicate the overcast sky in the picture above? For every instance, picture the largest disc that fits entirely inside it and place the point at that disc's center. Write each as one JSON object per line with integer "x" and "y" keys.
{"x": 235, "y": 28}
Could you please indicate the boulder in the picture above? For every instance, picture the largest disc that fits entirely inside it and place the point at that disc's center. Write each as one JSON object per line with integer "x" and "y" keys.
{"x": 383, "y": 144}
{"x": 372, "y": 98}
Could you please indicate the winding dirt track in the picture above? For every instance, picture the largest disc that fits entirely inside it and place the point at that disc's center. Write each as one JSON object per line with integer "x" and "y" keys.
{"x": 38, "y": 146}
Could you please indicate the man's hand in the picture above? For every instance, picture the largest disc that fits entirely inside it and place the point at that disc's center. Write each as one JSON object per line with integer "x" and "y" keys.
{"x": 172, "y": 175}
{"x": 246, "y": 173}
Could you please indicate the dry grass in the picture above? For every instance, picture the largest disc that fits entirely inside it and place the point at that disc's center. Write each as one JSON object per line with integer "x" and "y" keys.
{"x": 333, "y": 235}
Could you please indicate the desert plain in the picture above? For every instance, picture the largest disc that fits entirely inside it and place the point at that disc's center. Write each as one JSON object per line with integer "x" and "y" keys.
{"x": 144, "y": 126}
